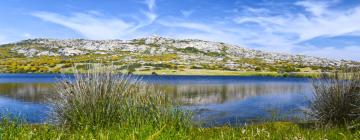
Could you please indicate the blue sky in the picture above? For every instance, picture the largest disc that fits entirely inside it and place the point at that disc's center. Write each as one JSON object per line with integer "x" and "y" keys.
{"x": 328, "y": 28}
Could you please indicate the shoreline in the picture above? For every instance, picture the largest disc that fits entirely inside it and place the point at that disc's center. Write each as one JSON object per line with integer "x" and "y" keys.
{"x": 206, "y": 73}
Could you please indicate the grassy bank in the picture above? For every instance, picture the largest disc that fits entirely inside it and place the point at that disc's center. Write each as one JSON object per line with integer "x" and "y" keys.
{"x": 202, "y": 72}
{"x": 274, "y": 130}
{"x": 205, "y": 72}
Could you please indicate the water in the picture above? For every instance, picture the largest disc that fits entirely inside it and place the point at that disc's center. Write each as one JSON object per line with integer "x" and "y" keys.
{"x": 214, "y": 100}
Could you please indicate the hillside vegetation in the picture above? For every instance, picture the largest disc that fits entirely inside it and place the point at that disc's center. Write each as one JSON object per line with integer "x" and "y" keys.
{"x": 151, "y": 55}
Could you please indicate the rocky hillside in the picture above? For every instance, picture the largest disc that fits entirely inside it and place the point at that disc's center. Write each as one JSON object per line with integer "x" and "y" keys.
{"x": 164, "y": 53}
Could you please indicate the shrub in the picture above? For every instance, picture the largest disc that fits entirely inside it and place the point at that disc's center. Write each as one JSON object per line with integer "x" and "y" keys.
{"x": 189, "y": 50}
{"x": 195, "y": 67}
{"x": 67, "y": 65}
{"x": 102, "y": 99}
{"x": 337, "y": 98}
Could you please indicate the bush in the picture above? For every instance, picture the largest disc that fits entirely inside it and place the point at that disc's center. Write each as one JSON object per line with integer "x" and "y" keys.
{"x": 67, "y": 65}
{"x": 337, "y": 98}
{"x": 103, "y": 99}
{"x": 257, "y": 69}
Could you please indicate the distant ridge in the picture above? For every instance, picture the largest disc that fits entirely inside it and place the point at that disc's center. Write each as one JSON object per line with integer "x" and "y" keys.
{"x": 192, "y": 53}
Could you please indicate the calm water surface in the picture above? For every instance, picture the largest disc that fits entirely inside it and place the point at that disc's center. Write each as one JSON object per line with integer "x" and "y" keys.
{"x": 215, "y": 100}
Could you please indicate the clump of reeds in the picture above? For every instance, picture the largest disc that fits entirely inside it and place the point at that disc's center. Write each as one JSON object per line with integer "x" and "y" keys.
{"x": 337, "y": 97}
{"x": 102, "y": 98}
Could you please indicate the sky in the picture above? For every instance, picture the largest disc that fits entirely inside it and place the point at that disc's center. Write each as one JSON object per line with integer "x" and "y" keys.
{"x": 323, "y": 28}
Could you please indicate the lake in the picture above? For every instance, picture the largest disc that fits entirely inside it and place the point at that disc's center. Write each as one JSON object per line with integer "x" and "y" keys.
{"x": 214, "y": 100}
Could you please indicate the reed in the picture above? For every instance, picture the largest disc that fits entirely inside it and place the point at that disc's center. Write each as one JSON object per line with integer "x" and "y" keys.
{"x": 337, "y": 98}
{"x": 101, "y": 99}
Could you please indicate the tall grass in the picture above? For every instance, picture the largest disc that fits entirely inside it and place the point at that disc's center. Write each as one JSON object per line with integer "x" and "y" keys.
{"x": 337, "y": 98}
{"x": 101, "y": 99}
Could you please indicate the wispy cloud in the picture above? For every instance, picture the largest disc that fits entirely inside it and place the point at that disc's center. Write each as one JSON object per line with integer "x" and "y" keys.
{"x": 187, "y": 13}
{"x": 151, "y": 4}
{"x": 315, "y": 8}
{"x": 191, "y": 25}
{"x": 28, "y": 35}
{"x": 290, "y": 29}
{"x": 150, "y": 13}
{"x": 89, "y": 25}
{"x": 184, "y": 29}
{"x": 349, "y": 52}
{"x": 324, "y": 23}
{"x": 95, "y": 25}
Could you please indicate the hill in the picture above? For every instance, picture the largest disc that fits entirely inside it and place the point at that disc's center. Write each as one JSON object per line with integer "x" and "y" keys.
{"x": 151, "y": 54}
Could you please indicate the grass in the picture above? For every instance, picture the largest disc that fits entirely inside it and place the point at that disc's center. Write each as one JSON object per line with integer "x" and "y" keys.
{"x": 271, "y": 130}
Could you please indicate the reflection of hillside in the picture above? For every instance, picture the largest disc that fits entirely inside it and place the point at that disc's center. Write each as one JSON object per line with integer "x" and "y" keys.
{"x": 31, "y": 92}
{"x": 207, "y": 94}
{"x": 195, "y": 94}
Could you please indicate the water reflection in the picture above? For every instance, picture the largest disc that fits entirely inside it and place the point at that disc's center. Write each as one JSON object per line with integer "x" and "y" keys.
{"x": 25, "y": 111}
{"x": 216, "y": 100}
{"x": 200, "y": 94}
{"x": 191, "y": 94}
{"x": 28, "y": 92}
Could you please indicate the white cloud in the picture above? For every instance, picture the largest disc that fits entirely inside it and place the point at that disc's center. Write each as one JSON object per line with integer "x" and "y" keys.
{"x": 151, "y": 4}
{"x": 28, "y": 35}
{"x": 89, "y": 25}
{"x": 150, "y": 14}
{"x": 187, "y": 13}
{"x": 191, "y": 25}
{"x": 182, "y": 29}
{"x": 95, "y": 25}
{"x": 349, "y": 52}
{"x": 315, "y": 8}
{"x": 284, "y": 32}
{"x": 263, "y": 21}
{"x": 333, "y": 23}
